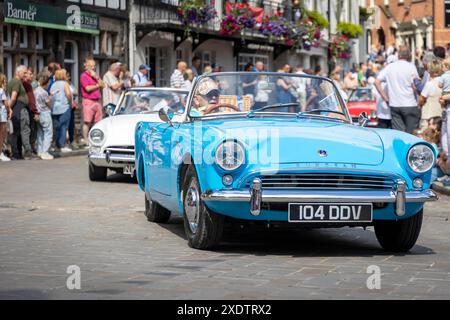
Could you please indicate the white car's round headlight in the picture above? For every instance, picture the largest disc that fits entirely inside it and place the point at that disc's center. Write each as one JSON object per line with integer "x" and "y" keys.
{"x": 230, "y": 155}
{"x": 97, "y": 136}
{"x": 420, "y": 158}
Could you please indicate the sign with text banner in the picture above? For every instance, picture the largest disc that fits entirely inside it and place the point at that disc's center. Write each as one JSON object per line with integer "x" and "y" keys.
{"x": 69, "y": 18}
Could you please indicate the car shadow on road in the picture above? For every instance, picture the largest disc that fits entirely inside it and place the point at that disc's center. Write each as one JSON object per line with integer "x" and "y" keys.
{"x": 341, "y": 242}
{"x": 121, "y": 178}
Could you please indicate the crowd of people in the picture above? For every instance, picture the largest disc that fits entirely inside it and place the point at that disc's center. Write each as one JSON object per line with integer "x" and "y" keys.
{"x": 37, "y": 114}
{"x": 410, "y": 97}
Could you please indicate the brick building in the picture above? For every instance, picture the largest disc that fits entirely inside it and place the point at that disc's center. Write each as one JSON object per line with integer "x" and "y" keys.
{"x": 417, "y": 23}
{"x": 442, "y": 23}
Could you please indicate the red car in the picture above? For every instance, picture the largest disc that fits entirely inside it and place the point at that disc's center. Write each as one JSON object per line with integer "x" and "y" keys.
{"x": 362, "y": 100}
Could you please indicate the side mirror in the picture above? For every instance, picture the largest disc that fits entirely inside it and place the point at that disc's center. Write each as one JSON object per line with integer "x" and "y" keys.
{"x": 363, "y": 119}
{"x": 165, "y": 116}
{"x": 110, "y": 108}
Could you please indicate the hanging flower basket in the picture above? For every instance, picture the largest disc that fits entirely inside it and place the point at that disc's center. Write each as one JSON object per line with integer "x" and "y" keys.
{"x": 195, "y": 13}
{"x": 340, "y": 47}
{"x": 239, "y": 19}
{"x": 276, "y": 27}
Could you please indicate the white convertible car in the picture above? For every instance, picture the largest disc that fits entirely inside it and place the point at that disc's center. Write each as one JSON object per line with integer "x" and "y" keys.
{"x": 111, "y": 141}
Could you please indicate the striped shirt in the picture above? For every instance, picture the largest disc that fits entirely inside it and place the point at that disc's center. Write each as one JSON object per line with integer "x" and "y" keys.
{"x": 176, "y": 79}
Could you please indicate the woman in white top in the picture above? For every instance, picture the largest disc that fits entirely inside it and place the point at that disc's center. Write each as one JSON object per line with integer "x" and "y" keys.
{"x": 430, "y": 95}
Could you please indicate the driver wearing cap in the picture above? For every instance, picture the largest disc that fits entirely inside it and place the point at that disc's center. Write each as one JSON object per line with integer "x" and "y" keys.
{"x": 206, "y": 95}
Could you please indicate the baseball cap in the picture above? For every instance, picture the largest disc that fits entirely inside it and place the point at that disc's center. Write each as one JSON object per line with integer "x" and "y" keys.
{"x": 144, "y": 66}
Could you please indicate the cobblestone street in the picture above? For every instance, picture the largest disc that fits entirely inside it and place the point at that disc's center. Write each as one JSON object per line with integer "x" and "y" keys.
{"x": 52, "y": 216}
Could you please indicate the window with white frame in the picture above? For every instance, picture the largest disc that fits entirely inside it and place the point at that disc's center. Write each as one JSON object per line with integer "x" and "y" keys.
{"x": 96, "y": 44}
{"x": 179, "y": 55}
{"x": 245, "y": 58}
{"x": 23, "y": 60}
{"x": 109, "y": 44}
{"x": 162, "y": 67}
{"x": 40, "y": 63}
{"x": 39, "y": 39}
{"x": 23, "y": 37}
{"x": 7, "y": 36}
{"x": 7, "y": 66}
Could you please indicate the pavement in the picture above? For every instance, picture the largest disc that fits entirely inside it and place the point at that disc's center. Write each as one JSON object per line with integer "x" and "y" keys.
{"x": 52, "y": 217}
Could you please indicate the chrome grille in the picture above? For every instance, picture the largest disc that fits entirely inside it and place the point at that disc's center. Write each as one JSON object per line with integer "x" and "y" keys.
{"x": 326, "y": 181}
{"x": 120, "y": 149}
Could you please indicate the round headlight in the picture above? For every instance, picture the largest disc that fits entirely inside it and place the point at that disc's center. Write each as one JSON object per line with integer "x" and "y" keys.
{"x": 421, "y": 158}
{"x": 97, "y": 136}
{"x": 230, "y": 155}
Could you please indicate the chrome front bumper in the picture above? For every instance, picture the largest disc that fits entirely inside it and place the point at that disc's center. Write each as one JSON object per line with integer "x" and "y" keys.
{"x": 256, "y": 195}
{"x": 112, "y": 160}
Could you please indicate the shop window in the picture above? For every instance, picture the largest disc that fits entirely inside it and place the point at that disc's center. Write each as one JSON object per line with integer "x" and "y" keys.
{"x": 39, "y": 39}
{"x": 6, "y": 36}
{"x": 7, "y": 66}
{"x": 71, "y": 60}
{"x": 178, "y": 55}
{"x": 96, "y": 44}
{"x": 39, "y": 64}
{"x": 109, "y": 44}
{"x": 23, "y": 35}
{"x": 245, "y": 58}
{"x": 24, "y": 60}
{"x": 156, "y": 58}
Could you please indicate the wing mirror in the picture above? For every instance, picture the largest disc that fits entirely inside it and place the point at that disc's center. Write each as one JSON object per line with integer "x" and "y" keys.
{"x": 166, "y": 116}
{"x": 363, "y": 119}
{"x": 110, "y": 108}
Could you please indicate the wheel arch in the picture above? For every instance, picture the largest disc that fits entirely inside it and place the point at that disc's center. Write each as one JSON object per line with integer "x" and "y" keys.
{"x": 141, "y": 172}
{"x": 187, "y": 161}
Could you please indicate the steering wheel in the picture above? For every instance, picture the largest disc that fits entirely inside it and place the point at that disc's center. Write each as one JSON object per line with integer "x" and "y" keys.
{"x": 217, "y": 106}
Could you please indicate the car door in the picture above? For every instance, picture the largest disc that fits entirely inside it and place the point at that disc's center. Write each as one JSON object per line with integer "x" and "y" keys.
{"x": 160, "y": 161}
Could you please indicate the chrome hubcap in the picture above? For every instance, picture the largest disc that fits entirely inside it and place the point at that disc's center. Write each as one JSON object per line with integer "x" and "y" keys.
{"x": 192, "y": 207}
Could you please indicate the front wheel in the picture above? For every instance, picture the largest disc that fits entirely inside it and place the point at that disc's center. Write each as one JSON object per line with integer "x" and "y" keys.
{"x": 399, "y": 236}
{"x": 203, "y": 228}
{"x": 97, "y": 173}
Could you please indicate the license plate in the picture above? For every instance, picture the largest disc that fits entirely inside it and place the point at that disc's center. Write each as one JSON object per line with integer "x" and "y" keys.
{"x": 328, "y": 212}
{"x": 129, "y": 169}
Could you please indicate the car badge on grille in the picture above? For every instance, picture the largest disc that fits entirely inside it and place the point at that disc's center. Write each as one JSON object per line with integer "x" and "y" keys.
{"x": 323, "y": 153}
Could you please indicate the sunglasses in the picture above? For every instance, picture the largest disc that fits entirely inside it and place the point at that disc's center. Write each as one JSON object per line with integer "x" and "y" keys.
{"x": 212, "y": 94}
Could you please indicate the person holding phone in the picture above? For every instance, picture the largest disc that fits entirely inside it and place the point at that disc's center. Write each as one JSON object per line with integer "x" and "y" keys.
{"x": 91, "y": 86}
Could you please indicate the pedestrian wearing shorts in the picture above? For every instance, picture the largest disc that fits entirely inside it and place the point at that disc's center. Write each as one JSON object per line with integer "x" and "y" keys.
{"x": 91, "y": 86}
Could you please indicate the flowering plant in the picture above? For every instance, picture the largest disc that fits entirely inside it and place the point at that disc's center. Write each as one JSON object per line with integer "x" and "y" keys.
{"x": 238, "y": 19}
{"x": 340, "y": 47}
{"x": 195, "y": 12}
{"x": 311, "y": 34}
{"x": 276, "y": 26}
{"x": 229, "y": 25}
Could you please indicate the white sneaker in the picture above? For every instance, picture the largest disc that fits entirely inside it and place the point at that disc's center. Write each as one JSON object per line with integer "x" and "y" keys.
{"x": 4, "y": 158}
{"x": 46, "y": 156}
{"x": 66, "y": 150}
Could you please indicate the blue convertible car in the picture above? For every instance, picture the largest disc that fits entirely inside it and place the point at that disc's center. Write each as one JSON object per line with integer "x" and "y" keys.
{"x": 280, "y": 149}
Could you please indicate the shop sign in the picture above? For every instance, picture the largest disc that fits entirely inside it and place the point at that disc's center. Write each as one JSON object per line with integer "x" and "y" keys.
{"x": 69, "y": 18}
